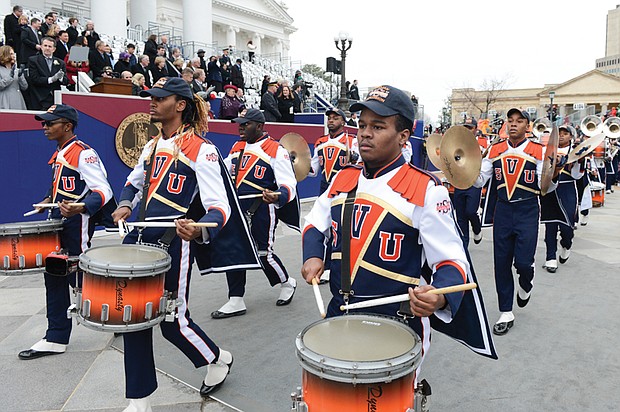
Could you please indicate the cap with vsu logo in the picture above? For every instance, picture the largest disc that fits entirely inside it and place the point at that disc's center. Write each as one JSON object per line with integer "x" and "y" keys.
{"x": 387, "y": 101}
{"x": 165, "y": 87}
{"x": 59, "y": 111}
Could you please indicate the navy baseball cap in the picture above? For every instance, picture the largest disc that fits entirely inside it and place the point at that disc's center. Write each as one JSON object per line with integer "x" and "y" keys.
{"x": 570, "y": 129}
{"x": 59, "y": 111}
{"x": 167, "y": 87}
{"x": 336, "y": 111}
{"x": 471, "y": 122}
{"x": 522, "y": 113}
{"x": 252, "y": 115}
{"x": 387, "y": 101}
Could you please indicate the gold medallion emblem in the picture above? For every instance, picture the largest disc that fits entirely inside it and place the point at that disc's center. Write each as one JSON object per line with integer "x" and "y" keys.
{"x": 132, "y": 135}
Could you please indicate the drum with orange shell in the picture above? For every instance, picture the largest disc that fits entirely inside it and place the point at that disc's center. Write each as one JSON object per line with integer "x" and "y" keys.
{"x": 24, "y": 246}
{"x": 599, "y": 151}
{"x": 122, "y": 288}
{"x": 598, "y": 194}
{"x": 358, "y": 363}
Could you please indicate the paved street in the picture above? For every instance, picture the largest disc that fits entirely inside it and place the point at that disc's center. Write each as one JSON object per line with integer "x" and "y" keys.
{"x": 561, "y": 354}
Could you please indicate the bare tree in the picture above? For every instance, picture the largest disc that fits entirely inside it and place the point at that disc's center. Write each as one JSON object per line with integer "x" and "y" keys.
{"x": 485, "y": 98}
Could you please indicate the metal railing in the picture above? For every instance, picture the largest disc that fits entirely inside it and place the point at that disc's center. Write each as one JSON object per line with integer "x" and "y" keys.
{"x": 68, "y": 9}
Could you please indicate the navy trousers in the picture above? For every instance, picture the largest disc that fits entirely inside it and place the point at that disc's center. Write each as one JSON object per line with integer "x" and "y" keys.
{"x": 74, "y": 238}
{"x": 515, "y": 235}
{"x": 140, "y": 377}
{"x": 466, "y": 203}
{"x": 263, "y": 229}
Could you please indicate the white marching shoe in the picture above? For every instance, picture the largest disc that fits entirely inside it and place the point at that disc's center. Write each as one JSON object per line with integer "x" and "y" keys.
{"x": 584, "y": 220}
{"x": 217, "y": 372}
{"x": 551, "y": 265}
{"x": 139, "y": 405}
{"x": 287, "y": 291}
{"x": 234, "y": 307}
{"x": 42, "y": 348}
{"x": 564, "y": 254}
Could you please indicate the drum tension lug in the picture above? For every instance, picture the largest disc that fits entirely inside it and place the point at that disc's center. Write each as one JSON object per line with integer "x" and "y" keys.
{"x": 298, "y": 401}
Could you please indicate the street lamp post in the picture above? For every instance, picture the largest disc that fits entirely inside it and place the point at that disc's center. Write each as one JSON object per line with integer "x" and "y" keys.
{"x": 343, "y": 43}
{"x": 551, "y": 96}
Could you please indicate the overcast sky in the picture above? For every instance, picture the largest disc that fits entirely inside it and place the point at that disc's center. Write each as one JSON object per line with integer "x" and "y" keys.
{"x": 431, "y": 47}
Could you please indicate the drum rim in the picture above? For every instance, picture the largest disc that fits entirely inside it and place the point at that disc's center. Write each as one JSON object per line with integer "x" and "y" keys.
{"x": 32, "y": 227}
{"x": 156, "y": 267}
{"x": 365, "y": 371}
{"x": 129, "y": 327}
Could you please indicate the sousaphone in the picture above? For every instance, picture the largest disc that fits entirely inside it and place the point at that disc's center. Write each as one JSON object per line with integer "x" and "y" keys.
{"x": 550, "y": 160}
{"x": 459, "y": 157}
{"x": 300, "y": 154}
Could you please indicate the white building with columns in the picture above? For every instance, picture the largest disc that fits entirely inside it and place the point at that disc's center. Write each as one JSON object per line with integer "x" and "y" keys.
{"x": 193, "y": 24}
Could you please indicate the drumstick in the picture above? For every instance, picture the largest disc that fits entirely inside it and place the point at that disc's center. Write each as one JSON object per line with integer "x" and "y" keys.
{"x": 170, "y": 224}
{"x": 318, "y": 297}
{"x": 56, "y": 204}
{"x": 32, "y": 212}
{"x": 405, "y": 297}
{"x": 256, "y": 195}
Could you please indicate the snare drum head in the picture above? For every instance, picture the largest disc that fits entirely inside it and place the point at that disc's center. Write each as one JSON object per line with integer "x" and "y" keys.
{"x": 125, "y": 260}
{"x": 359, "y": 338}
{"x": 24, "y": 228}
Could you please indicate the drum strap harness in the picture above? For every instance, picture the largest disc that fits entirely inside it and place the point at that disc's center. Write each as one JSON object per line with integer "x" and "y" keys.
{"x": 345, "y": 262}
{"x": 257, "y": 202}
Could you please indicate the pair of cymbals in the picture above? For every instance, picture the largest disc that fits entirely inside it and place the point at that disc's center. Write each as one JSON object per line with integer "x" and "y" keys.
{"x": 299, "y": 151}
{"x": 457, "y": 155}
{"x": 550, "y": 161}
{"x": 585, "y": 148}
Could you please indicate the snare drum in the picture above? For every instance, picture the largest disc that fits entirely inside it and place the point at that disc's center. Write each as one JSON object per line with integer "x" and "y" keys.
{"x": 598, "y": 194}
{"x": 24, "y": 246}
{"x": 358, "y": 363}
{"x": 122, "y": 288}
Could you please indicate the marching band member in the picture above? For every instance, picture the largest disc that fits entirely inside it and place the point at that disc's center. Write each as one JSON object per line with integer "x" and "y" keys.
{"x": 260, "y": 164}
{"x": 467, "y": 202}
{"x": 183, "y": 173}
{"x": 397, "y": 232}
{"x": 564, "y": 200}
{"x": 514, "y": 167}
{"x": 79, "y": 177}
{"x": 332, "y": 152}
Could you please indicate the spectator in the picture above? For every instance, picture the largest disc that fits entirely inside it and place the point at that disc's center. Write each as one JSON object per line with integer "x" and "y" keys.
{"x": 214, "y": 75}
{"x": 231, "y": 105}
{"x": 62, "y": 45}
{"x": 72, "y": 31}
{"x": 150, "y": 48}
{"x": 269, "y": 103}
{"x": 159, "y": 69}
{"x": 131, "y": 49}
{"x": 74, "y": 67}
{"x": 201, "y": 57}
{"x": 163, "y": 41}
{"x": 237, "y": 75}
{"x": 91, "y": 35}
{"x": 354, "y": 93}
{"x": 31, "y": 41}
{"x": 23, "y": 25}
{"x": 126, "y": 75}
{"x": 353, "y": 121}
{"x": 53, "y": 31}
{"x": 178, "y": 64}
{"x": 226, "y": 75}
{"x": 251, "y": 50}
{"x": 414, "y": 100}
{"x": 138, "y": 84}
{"x": 188, "y": 75}
{"x": 98, "y": 59}
{"x": 285, "y": 105}
{"x": 123, "y": 63}
{"x": 198, "y": 79}
{"x": 298, "y": 78}
{"x": 175, "y": 53}
{"x": 265, "y": 84}
{"x": 225, "y": 59}
{"x": 46, "y": 74}
{"x": 11, "y": 81}
{"x": 12, "y": 31}
{"x": 297, "y": 98}
{"x": 143, "y": 68}
{"x": 195, "y": 64}
{"x": 47, "y": 24}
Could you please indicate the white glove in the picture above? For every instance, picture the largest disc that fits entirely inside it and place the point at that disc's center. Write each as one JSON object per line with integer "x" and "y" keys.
{"x": 59, "y": 75}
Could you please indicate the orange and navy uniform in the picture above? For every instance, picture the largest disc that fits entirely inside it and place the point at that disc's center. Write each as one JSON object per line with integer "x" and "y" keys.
{"x": 402, "y": 221}
{"x": 332, "y": 154}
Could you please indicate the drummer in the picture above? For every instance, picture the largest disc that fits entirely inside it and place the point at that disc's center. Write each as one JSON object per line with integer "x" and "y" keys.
{"x": 467, "y": 202}
{"x": 566, "y": 197}
{"x": 78, "y": 177}
{"x": 401, "y": 215}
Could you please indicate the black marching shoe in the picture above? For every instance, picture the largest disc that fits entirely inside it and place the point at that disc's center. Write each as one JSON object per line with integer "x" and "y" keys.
{"x": 503, "y": 327}
{"x": 35, "y": 354}
{"x": 42, "y": 348}
{"x": 287, "y": 291}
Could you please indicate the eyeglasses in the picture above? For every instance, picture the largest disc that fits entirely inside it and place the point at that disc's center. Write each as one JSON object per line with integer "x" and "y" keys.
{"x": 50, "y": 123}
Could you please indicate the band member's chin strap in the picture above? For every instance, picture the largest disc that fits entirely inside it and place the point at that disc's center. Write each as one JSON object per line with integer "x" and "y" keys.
{"x": 345, "y": 261}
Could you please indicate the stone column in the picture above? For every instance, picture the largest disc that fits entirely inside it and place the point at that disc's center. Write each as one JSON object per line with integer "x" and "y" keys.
{"x": 257, "y": 39}
{"x": 141, "y": 12}
{"x": 562, "y": 111}
{"x": 604, "y": 108}
{"x": 231, "y": 37}
{"x": 279, "y": 48}
{"x": 110, "y": 17}
{"x": 197, "y": 25}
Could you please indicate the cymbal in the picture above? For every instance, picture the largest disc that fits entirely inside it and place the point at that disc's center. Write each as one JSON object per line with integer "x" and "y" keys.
{"x": 432, "y": 148}
{"x": 584, "y": 148}
{"x": 460, "y": 157}
{"x": 300, "y": 154}
{"x": 550, "y": 160}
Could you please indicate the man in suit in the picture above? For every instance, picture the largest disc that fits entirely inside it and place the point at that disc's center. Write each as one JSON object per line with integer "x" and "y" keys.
{"x": 72, "y": 30}
{"x": 45, "y": 26}
{"x": 62, "y": 45}
{"x": 143, "y": 68}
{"x": 31, "y": 41}
{"x": 237, "y": 75}
{"x": 46, "y": 73}
{"x": 11, "y": 26}
{"x": 98, "y": 59}
{"x": 269, "y": 103}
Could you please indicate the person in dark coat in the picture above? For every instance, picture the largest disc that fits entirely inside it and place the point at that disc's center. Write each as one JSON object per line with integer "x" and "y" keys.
{"x": 11, "y": 27}
{"x": 31, "y": 41}
{"x": 226, "y": 74}
{"x": 23, "y": 25}
{"x": 231, "y": 105}
{"x": 143, "y": 67}
{"x": 123, "y": 63}
{"x": 98, "y": 60}
{"x": 150, "y": 48}
{"x": 269, "y": 104}
{"x": 265, "y": 84}
{"x": 62, "y": 45}
{"x": 46, "y": 73}
{"x": 286, "y": 101}
{"x": 354, "y": 93}
{"x": 91, "y": 35}
{"x": 72, "y": 30}
{"x": 214, "y": 75}
{"x": 237, "y": 75}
